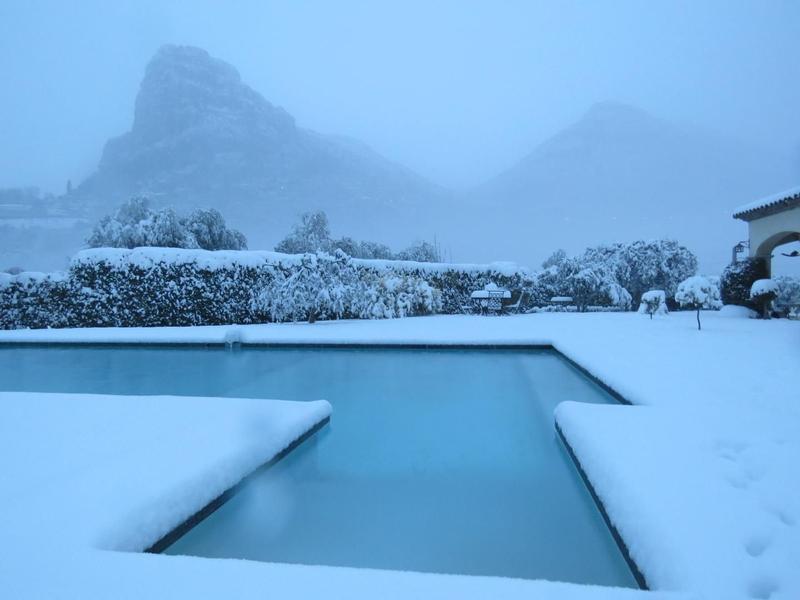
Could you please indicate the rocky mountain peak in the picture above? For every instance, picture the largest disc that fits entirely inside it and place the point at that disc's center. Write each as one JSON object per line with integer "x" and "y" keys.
{"x": 186, "y": 91}
{"x": 618, "y": 120}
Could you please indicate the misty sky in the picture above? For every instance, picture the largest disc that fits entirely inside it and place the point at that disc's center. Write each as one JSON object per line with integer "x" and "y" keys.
{"x": 457, "y": 91}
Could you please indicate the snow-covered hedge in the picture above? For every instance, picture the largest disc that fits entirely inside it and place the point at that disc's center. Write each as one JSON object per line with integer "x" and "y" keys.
{"x": 171, "y": 286}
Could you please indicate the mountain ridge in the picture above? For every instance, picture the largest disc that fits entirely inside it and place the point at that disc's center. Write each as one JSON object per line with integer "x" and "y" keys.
{"x": 201, "y": 136}
{"x": 619, "y": 173}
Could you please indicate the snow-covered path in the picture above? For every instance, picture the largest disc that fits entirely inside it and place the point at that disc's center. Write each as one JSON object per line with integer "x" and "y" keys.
{"x": 701, "y": 480}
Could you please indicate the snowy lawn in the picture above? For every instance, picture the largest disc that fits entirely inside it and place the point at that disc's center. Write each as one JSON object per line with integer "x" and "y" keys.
{"x": 701, "y": 481}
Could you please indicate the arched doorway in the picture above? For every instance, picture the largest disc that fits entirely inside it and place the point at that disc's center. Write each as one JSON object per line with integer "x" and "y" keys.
{"x": 772, "y": 222}
{"x": 766, "y": 249}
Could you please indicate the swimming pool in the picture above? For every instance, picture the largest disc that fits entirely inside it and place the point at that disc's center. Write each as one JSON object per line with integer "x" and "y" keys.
{"x": 435, "y": 460}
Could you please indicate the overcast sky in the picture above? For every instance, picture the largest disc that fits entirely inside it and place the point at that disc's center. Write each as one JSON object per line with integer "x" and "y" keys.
{"x": 456, "y": 90}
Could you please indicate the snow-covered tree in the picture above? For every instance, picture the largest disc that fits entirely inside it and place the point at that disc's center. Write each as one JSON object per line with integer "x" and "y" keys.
{"x": 698, "y": 293}
{"x": 347, "y": 245}
{"x": 135, "y": 224}
{"x": 210, "y": 232}
{"x": 556, "y": 259}
{"x": 364, "y": 249}
{"x": 374, "y": 250}
{"x": 595, "y": 286}
{"x": 164, "y": 229}
{"x": 421, "y": 252}
{"x": 644, "y": 265}
{"x": 762, "y": 293}
{"x": 654, "y": 302}
{"x": 311, "y": 234}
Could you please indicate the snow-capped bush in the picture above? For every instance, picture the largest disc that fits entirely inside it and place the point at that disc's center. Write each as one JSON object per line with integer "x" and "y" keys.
{"x": 763, "y": 287}
{"x": 698, "y": 293}
{"x": 762, "y": 293}
{"x": 654, "y": 302}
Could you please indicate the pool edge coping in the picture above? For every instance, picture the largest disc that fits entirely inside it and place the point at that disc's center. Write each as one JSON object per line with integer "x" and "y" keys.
{"x": 638, "y": 576}
{"x": 177, "y": 532}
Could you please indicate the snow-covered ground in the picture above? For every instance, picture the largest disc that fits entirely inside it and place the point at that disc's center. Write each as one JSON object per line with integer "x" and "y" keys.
{"x": 701, "y": 480}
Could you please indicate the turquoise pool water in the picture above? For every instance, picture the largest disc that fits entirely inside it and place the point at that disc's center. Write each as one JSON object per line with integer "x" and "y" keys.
{"x": 442, "y": 461}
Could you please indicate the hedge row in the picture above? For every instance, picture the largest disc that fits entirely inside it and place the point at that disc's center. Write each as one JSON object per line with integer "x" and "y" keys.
{"x": 174, "y": 287}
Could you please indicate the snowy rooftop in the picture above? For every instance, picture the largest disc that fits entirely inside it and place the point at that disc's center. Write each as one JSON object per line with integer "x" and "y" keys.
{"x": 788, "y": 197}
{"x": 700, "y": 479}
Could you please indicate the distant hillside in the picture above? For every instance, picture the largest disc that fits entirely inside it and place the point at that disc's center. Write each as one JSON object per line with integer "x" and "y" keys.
{"x": 201, "y": 137}
{"x": 619, "y": 174}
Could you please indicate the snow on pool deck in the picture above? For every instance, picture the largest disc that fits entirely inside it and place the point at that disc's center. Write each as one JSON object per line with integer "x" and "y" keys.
{"x": 701, "y": 481}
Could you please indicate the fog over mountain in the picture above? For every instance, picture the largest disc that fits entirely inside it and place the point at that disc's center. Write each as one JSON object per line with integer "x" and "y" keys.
{"x": 620, "y": 173}
{"x": 201, "y": 137}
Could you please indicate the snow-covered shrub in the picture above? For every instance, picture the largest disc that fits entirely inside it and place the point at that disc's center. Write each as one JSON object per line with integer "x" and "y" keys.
{"x": 787, "y": 295}
{"x": 762, "y": 293}
{"x": 320, "y": 286}
{"x": 654, "y": 302}
{"x": 413, "y": 296}
{"x": 698, "y": 293}
{"x": 737, "y": 279}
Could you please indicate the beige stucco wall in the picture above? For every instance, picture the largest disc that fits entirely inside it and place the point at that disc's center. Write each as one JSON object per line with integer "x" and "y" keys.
{"x": 767, "y": 232}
